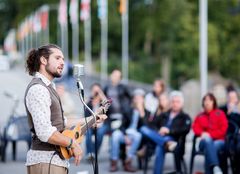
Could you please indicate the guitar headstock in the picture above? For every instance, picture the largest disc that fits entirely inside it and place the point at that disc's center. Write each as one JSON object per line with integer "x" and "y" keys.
{"x": 105, "y": 104}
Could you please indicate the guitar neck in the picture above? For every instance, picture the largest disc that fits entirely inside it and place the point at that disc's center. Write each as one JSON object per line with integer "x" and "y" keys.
{"x": 90, "y": 121}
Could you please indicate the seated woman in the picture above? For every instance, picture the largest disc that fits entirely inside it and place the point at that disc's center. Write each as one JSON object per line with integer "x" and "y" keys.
{"x": 169, "y": 132}
{"x": 232, "y": 111}
{"x": 151, "y": 123}
{"x": 211, "y": 126}
{"x": 129, "y": 133}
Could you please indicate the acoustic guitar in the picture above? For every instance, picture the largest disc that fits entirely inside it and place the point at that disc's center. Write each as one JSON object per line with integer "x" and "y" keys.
{"x": 77, "y": 132}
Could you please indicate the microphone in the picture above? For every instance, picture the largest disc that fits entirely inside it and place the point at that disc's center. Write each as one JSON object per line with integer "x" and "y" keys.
{"x": 78, "y": 71}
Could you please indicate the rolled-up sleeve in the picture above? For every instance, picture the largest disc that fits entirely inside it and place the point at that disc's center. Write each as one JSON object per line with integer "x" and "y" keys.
{"x": 38, "y": 102}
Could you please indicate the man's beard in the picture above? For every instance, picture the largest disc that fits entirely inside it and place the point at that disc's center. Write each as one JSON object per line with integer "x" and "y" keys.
{"x": 54, "y": 74}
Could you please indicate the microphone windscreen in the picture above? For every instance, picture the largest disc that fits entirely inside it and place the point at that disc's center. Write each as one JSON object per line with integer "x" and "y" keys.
{"x": 78, "y": 71}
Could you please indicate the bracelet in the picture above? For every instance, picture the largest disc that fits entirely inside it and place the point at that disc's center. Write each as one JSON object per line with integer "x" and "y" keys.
{"x": 70, "y": 145}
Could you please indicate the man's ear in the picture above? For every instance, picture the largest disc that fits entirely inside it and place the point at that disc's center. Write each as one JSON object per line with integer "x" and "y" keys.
{"x": 43, "y": 60}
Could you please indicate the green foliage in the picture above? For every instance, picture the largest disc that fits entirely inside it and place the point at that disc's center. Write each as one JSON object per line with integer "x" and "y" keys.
{"x": 161, "y": 29}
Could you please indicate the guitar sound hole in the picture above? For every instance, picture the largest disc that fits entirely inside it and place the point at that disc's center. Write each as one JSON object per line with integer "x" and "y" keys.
{"x": 76, "y": 135}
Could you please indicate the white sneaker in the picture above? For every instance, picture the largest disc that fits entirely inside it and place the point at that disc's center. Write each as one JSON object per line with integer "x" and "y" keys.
{"x": 171, "y": 146}
{"x": 217, "y": 170}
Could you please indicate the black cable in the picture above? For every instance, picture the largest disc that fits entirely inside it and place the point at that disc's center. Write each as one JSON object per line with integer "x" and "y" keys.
{"x": 91, "y": 159}
{"x": 49, "y": 166}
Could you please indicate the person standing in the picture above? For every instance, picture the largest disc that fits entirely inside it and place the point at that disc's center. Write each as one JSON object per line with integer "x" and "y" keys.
{"x": 120, "y": 97}
{"x": 45, "y": 113}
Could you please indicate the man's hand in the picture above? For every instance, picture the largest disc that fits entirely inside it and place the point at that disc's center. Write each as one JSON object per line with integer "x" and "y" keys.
{"x": 77, "y": 152}
{"x": 164, "y": 131}
{"x": 100, "y": 120}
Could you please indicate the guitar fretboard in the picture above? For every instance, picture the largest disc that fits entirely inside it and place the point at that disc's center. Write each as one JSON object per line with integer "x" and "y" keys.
{"x": 90, "y": 122}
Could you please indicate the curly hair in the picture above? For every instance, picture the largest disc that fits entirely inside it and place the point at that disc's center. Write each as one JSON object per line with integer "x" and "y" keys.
{"x": 34, "y": 55}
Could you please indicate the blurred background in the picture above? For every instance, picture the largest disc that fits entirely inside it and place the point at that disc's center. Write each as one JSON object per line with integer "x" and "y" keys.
{"x": 163, "y": 36}
{"x": 192, "y": 45}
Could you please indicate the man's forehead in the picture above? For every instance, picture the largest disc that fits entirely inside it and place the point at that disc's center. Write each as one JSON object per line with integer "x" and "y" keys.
{"x": 178, "y": 98}
{"x": 56, "y": 51}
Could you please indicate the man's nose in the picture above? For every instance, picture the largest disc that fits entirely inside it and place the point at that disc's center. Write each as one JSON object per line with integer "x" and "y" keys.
{"x": 62, "y": 62}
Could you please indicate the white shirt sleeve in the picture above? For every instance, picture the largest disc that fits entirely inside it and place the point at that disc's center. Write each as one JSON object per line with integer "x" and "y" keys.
{"x": 38, "y": 102}
{"x": 151, "y": 103}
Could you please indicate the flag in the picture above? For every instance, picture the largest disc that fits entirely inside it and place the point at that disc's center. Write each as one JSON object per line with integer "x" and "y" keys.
{"x": 20, "y": 32}
{"x": 122, "y": 7}
{"x": 25, "y": 28}
{"x": 85, "y": 10}
{"x": 30, "y": 23}
{"x": 73, "y": 11}
{"x": 102, "y": 9}
{"x": 44, "y": 14}
{"x": 10, "y": 41}
{"x": 62, "y": 12}
{"x": 37, "y": 22}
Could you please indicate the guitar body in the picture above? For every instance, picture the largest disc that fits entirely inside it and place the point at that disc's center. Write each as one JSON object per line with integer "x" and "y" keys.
{"x": 74, "y": 134}
{"x": 77, "y": 132}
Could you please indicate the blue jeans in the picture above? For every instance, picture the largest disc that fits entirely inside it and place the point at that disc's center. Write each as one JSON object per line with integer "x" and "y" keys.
{"x": 118, "y": 138}
{"x": 160, "y": 150}
{"x": 211, "y": 148}
{"x": 100, "y": 134}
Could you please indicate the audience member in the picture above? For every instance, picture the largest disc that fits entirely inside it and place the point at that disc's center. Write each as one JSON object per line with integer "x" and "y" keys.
{"x": 232, "y": 110}
{"x": 152, "y": 98}
{"x": 170, "y": 131}
{"x": 66, "y": 100}
{"x": 150, "y": 121}
{"x": 120, "y": 99}
{"x": 97, "y": 96}
{"x": 211, "y": 126}
{"x": 129, "y": 133}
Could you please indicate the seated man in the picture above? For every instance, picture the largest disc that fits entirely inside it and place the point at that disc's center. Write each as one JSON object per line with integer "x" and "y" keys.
{"x": 211, "y": 126}
{"x": 169, "y": 133}
{"x": 128, "y": 132}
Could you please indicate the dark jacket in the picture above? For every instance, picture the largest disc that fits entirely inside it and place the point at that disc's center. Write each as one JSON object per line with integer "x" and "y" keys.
{"x": 235, "y": 117}
{"x": 180, "y": 126}
{"x": 123, "y": 96}
{"x": 127, "y": 119}
{"x": 150, "y": 120}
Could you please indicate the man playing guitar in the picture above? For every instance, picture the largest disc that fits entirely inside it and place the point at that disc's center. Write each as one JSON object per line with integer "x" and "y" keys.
{"x": 45, "y": 114}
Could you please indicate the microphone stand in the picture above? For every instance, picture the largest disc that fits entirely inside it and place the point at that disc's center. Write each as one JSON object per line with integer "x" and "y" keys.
{"x": 96, "y": 152}
{"x": 81, "y": 94}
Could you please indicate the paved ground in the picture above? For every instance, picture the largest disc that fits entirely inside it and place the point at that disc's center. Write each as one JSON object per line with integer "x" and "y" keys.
{"x": 15, "y": 81}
